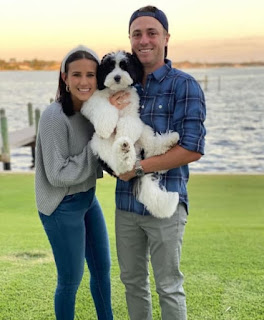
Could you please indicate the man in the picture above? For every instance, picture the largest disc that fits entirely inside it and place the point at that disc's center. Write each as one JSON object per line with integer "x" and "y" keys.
{"x": 170, "y": 100}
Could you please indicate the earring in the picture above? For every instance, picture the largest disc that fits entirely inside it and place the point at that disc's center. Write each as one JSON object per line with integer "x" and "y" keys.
{"x": 67, "y": 88}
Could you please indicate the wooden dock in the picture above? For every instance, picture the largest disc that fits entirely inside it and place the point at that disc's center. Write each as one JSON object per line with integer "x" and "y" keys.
{"x": 25, "y": 137}
{"x": 22, "y": 138}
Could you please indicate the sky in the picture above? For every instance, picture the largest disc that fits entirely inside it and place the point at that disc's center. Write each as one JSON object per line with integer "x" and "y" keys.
{"x": 201, "y": 30}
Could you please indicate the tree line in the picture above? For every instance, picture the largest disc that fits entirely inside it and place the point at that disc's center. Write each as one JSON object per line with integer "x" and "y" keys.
{"x": 37, "y": 64}
{"x": 34, "y": 64}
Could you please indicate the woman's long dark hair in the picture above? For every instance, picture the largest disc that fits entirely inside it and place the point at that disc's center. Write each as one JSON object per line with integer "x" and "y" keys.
{"x": 62, "y": 96}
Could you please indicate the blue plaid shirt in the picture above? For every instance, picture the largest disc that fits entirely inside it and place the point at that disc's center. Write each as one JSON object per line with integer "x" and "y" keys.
{"x": 171, "y": 100}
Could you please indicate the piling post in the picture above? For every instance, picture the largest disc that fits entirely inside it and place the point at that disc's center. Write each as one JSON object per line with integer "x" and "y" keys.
{"x": 30, "y": 114}
{"x": 37, "y": 116}
{"x": 31, "y": 122}
{"x": 205, "y": 83}
{"x": 5, "y": 154}
{"x": 219, "y": 83}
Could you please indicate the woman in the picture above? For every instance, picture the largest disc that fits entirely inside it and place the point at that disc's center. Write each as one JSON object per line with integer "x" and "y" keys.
{"x": 66, "y": 173}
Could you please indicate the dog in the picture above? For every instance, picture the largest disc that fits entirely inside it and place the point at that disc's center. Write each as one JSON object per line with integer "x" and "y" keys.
{"x": 121, "y": 136}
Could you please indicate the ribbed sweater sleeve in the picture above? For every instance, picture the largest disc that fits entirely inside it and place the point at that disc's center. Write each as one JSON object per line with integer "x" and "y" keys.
{"x": 62, "y": 167}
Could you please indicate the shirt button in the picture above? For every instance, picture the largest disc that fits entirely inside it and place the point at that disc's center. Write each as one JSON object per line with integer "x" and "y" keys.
{"x": 142, "y": 107}
{"x": 160, "y": 106}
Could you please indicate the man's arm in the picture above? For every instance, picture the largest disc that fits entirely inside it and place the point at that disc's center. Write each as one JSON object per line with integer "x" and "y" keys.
{"x": 174, "y": 158}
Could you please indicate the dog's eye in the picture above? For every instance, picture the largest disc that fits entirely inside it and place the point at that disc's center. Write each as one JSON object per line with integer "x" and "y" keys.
{"x": 109, "y": 62}
{"x": 123, "y": 65}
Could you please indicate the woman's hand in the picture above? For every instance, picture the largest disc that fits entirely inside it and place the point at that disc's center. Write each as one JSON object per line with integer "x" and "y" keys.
{"x": 120, "y": 99}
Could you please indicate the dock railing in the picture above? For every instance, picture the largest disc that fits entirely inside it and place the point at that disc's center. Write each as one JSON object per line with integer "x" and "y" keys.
{"x": 25, "y": 137}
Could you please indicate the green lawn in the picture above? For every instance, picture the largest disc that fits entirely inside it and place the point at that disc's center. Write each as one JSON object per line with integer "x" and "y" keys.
{"x": 223, "y": 259}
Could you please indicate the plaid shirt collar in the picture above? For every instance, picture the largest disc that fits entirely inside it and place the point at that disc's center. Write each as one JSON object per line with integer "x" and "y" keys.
{"x": 162, "y": 72}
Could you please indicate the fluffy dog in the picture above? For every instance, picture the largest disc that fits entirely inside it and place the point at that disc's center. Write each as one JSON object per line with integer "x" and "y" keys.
{"x": 120, "y": 135}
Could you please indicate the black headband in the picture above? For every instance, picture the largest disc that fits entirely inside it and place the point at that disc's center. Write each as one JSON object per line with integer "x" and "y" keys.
{"x": 158, "y": 14}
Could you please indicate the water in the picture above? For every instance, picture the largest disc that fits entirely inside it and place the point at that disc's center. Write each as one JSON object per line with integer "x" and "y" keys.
{"x": 235, "y": 120}
{"x": 235, "y": 115}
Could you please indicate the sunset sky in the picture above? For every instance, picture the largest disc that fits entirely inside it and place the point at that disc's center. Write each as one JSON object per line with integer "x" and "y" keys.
{"x": 201, "y": 30}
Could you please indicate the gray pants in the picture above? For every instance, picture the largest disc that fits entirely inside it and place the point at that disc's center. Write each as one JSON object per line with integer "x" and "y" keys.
{"x": 140, "y": 237}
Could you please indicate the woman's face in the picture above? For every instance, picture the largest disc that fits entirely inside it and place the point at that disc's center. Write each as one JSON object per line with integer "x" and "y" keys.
{"x": 81, "y": 80}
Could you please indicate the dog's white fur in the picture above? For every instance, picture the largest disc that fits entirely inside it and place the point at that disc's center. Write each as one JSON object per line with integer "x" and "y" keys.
{"x": 120, "y": 135}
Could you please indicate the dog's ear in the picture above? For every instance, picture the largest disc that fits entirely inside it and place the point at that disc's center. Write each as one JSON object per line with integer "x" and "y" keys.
{"x": 138, "y": 70}
{"x": 100, "y": 75}
{"x": 106, "y": 66}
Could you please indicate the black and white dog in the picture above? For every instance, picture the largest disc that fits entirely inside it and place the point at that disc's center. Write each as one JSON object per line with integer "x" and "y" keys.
{"x": 120, "y": 135}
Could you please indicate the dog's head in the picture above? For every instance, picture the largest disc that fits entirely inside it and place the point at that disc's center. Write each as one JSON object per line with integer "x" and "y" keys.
{"x": 119, "y": 70}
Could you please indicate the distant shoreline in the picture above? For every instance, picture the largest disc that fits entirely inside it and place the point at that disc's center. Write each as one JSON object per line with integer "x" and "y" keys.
{"x": 200, "y": 65}
{"x": 43, "y": 65}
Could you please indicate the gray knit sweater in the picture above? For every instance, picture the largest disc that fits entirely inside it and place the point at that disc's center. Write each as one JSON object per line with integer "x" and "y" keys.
{"x": 65, "y": 163}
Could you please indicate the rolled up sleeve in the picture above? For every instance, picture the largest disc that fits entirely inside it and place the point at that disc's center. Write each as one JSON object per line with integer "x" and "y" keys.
{"x": 189, "y": 116}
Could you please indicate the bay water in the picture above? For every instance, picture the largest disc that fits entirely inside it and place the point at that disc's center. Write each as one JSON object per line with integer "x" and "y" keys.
{"x": 235, "y": 115}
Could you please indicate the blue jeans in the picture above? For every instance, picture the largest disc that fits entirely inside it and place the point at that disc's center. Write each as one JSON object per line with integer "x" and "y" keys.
{"x": 77, "y": 231}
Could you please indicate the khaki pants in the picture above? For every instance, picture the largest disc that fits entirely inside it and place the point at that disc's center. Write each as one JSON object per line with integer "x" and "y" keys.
{"x": 139, "y": 238}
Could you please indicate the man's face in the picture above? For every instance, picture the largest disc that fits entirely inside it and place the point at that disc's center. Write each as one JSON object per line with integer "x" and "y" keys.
{"x": 148, "y": 40}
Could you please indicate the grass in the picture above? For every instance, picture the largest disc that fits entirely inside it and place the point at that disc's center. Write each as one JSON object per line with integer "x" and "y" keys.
{"x": 222, "y": 252}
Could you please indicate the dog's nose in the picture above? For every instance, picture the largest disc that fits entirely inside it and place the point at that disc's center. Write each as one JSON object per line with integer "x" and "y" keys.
{"x": 117, "y": 78}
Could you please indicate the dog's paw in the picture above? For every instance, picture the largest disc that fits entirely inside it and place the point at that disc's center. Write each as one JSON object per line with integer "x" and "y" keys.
{"x": 125, "y": 154}
{"x": 104, "y": 131}
{"x": 125, "y": 147}
{"x": 105, "y": 128}
{"x": 105, "y": 122}
{"x": 171, "y": 139}
{"x": 167, "y": 141}
{"x": 122, "y": 146}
